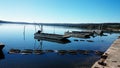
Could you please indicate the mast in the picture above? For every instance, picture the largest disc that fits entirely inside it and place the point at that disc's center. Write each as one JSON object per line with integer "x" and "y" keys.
{"x": 24, "y": 33}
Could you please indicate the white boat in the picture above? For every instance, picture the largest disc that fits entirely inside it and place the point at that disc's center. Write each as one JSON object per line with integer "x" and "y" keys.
{"x": 99, "y": 32}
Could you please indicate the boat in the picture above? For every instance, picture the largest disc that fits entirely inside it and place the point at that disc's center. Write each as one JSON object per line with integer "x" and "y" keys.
{"x": 99, "y": 32}
{"x": 1, "y": 46}
{"x": 79, "y": 34}
{"x": 39, "y": 34}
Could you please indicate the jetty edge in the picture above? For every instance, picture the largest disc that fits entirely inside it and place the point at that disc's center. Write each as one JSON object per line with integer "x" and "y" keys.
{"x": 112, "y": 59}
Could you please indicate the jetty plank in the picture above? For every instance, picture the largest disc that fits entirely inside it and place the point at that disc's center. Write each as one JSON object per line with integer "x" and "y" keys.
{"x": 113, "y": 59}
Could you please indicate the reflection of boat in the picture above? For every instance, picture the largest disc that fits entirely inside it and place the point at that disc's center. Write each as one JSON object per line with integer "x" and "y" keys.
{"x": 50, "y": 36}
{"x": 1, "y": 55}
{"x": 61, "y": 52}
{"x": 63, "y": 41}
{"x": 1, "y": 46}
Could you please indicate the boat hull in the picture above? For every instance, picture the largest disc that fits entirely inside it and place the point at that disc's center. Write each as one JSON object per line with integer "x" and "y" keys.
{"x": 79, "y": 34}
{"x": 50, "y": 36}
{"x": 1, "y": 46}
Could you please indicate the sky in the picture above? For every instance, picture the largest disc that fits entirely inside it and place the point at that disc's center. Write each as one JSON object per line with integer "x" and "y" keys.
{"x": 60, "y": 11}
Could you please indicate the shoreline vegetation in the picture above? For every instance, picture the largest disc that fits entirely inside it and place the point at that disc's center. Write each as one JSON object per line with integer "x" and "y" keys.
{"x": 105, "y": 26}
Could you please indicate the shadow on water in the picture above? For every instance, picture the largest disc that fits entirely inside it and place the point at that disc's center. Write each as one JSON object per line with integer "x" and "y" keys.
{"x": 63, "y": 41}
{"x": 2, "y": 55}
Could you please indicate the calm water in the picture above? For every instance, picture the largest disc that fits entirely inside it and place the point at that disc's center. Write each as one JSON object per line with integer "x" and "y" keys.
{"x": 21, "y": 37}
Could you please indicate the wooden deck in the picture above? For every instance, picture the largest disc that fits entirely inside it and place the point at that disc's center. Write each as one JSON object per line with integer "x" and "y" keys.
{"x": 113, "y": 58}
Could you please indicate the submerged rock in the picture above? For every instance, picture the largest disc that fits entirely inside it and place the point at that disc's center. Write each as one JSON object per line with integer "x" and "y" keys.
{"x": 82, "y": 40}
{"x": 99, "y": 53}
{"x": 27, "y": 51}
{"x": 14, "y": 51}
{"x": 62, "y": 52}
{"x": 38, "y": 52}
{"x": 49, "y": 51}
{"x": 72, "y": 52}
{"x": 90, "y": 40}
{"x": 83, "y": 52}
{"x": 75, "y": 39}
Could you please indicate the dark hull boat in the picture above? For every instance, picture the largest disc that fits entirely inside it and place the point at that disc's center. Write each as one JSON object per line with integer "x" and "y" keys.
{"x": 50, "y": 36}
{"x": 1, "y": 46}
{"x": 79, "y": 34}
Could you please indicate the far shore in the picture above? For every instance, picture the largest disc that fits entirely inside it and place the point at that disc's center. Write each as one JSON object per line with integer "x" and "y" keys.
{"x": 99, "y": 26}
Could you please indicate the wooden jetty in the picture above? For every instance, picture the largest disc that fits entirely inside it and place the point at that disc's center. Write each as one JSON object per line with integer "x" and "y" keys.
{"x": 111, "y": 58}
{"x": 1, "y": 46}
{"x": 50, "y": 36}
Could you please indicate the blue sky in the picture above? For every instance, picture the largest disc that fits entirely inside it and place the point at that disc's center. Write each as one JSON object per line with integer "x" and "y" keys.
{"x": 63, "y": 11}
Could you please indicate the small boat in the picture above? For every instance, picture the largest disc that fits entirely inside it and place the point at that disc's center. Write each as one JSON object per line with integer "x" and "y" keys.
{"x": 79, "y": 34}
{"x": 1, "y": 46}
{"x": 99, "y": 32}
{"x": 39, "y": 34}
{"x": 84, "y": 32}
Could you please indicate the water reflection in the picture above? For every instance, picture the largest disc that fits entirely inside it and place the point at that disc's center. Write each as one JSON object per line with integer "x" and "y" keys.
{"x": 60, "y": 52}
{"x": 74, "y": 52}
{"x": 2, "y": 55}
{"x": 24, "y": 32}
{"x": 64, "y": 41}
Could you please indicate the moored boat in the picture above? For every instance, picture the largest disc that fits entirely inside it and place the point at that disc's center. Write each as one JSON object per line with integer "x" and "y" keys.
{"x": 1, "y": 46}
{"x": 50, "y": 36}
{"x": 79, "y": 34}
